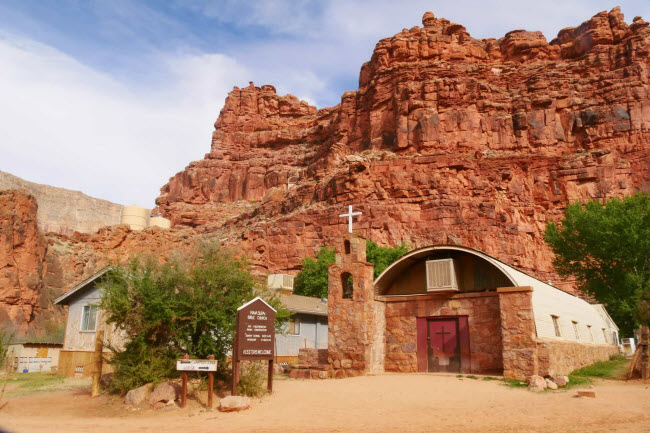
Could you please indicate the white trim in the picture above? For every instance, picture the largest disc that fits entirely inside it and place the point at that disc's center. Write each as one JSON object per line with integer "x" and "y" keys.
{"x": 79, "y": 287}
{"x": 253, "y": 300}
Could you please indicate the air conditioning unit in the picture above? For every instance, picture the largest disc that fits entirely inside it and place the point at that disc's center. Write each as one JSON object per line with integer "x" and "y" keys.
{"x": 283, "y": 282}
{"x": 441, "y": 275}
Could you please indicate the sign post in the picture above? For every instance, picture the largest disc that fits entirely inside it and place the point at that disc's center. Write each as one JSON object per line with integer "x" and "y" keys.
{"x": 254, "y": 338}
{"x": 186, "y": 364}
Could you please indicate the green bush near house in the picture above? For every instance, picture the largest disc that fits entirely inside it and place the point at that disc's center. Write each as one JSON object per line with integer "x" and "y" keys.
{"x": 187, "y": 305}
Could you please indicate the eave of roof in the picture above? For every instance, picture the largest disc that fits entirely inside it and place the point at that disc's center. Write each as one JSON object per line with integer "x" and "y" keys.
{"x": 79, "y": 288}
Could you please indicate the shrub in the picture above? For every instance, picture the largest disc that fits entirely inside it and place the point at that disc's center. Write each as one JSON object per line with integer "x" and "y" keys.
{"x": 187, "y": 305}
{"x": 253, "y": 377}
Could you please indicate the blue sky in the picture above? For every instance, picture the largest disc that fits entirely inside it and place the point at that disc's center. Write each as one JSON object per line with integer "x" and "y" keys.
{"x": 114, "y": 97}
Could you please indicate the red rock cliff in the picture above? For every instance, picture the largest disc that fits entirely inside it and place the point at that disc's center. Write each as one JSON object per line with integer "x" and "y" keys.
{"x": 449, "y": 139}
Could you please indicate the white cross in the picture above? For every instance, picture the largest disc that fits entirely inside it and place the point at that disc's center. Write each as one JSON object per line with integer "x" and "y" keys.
{"x": 350, "y": 215}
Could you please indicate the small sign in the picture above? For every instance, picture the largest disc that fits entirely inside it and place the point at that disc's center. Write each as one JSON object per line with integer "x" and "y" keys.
{"x": 196, "y": 365}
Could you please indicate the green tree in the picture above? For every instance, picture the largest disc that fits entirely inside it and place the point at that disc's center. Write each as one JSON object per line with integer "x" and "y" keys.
{"x": 312, "y": 280}
{"x": 186, "y": 305}
{"x": 383, "y": 257}
{"x": 607, "y": 248}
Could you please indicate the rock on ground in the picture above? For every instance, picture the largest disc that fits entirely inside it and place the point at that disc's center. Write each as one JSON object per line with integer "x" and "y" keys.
{"x": 561, "y": 381}
{"x": 537, "y": 382}
{"x": 234, "y": 403}
{"x": 550, "y": 384}
{"x": 165, "y": 392}
{"x": 137, "y": 395}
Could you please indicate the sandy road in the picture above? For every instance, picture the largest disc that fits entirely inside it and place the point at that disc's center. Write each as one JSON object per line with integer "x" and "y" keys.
{"x": 392, "y": 402}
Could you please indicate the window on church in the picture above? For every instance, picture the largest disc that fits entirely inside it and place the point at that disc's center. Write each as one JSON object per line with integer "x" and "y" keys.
{"x": 556, "y": 325}
{"x": 591, "y": 334}
{"x": 441, "y": 275}
{"x": 294, "y": 326}
{"x": 605, "y": 335}
{"x": 576, "y": 330}
{"x": 615, "y": 338}
{"x": 347, "y": 283}
{"x": 348, "y": 248}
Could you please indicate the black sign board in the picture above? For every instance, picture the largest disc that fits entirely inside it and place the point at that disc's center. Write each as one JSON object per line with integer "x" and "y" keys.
{"x": 254, "y": 337}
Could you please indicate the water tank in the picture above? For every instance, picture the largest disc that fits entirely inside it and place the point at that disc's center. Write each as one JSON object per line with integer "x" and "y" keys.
{"x": 159, "y": 221}
{"x": 135, "y": 217}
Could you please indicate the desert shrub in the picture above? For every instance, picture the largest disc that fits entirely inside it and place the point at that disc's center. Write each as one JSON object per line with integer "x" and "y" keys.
{"x": 5, "y": 340}
{"x": 187, "y": 305}
{"x": 253, "y": 377}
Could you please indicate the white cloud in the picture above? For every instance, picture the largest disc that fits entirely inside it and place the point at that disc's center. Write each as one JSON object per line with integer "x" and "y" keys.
{"x": 67, "y": 125}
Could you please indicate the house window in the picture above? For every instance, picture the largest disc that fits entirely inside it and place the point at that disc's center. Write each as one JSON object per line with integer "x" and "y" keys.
{"x": 576, "y": 330}
{"x": 605, "y": 335}
{"x": 89, "y": 318}
{"x": 294, "y": 326}
{"x": 556, "y": 325}
{"x": 615, "y": 338}
{"x": 591, "y": 334}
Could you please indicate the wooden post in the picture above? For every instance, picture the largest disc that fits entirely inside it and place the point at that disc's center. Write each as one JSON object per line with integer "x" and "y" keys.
{"x": 235, "y": 375}
{"x": 644, "y": 345}
{"x": 184, "y": 390}
{"x": 97, "y": 363}
{"x": 210, "y": 384}
{"x": 270, "y": 382}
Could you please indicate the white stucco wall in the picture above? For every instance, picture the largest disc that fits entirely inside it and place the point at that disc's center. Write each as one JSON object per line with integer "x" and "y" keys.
{"x": 78, "y": 340}
{"x": 313, "y": 335}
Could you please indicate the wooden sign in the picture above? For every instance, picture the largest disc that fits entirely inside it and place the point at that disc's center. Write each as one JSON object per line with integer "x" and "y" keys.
{"x": 186, "y": 364}
{"x": 196, "y": 365}
{"x": 254, "y": 337}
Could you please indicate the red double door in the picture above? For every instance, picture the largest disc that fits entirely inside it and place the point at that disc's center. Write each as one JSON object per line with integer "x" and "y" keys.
{"x": 443, "y": 344}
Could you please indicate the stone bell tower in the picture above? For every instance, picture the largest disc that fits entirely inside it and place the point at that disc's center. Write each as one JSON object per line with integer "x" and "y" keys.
{"x": 356, "y": 322}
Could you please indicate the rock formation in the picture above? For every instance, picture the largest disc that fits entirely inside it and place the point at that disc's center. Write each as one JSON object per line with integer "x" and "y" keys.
{"x": 64, "y": 211}
{"x": 449, "y": 139}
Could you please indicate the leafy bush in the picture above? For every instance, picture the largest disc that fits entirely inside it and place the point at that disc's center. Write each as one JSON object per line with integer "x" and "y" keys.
{"x": 5, "y": 341}
{"x": 383, "y": 257}
{"x": 253, "y": 377}
{"x": 187, "y": 305}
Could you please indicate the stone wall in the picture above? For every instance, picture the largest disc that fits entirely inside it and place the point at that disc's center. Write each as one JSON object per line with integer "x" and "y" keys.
{"x": 482, "y": 310}
{"x": 559, "y": 358}
{"x": 312, "y": 357}
{"x": 353, "y": 321}
{"x": 518, "y": 332}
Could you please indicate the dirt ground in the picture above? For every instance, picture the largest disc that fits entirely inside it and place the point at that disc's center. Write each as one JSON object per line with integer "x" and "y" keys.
{"x": 391, "y": 402}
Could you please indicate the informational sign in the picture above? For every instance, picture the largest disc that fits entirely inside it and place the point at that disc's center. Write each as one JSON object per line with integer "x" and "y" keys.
{"x": 255, "y": 339}
{"x": 196, "y": 365}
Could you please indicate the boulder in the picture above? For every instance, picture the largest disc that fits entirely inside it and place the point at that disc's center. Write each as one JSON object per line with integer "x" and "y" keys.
{"x": 550, "y": 384}
{"x": 165, "y": 392}
{"x": 561, "y": 381}
{"x": 137, "y": 395}
{"x": 234, "y": 403}
{"x": 537, "y": 382}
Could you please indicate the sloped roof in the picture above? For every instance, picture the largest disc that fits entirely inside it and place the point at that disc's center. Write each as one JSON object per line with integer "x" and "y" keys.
{"x": 305, "y": 304}
{"x": 80, "y": 288}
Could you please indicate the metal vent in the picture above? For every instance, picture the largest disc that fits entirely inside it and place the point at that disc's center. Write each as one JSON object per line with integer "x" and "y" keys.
{"x": 441, "y": 275}
{"x": 282, "y": 282}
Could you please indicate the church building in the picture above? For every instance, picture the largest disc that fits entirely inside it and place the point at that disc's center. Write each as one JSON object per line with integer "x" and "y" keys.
{"x": 454, "y": 309}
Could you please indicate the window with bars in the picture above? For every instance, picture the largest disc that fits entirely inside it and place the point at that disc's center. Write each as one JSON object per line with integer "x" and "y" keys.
{"x": 89, "y": 318}
{"x": 556, "y": 325}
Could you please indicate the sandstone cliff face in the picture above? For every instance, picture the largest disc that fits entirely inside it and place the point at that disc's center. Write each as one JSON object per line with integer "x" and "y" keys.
{"x": 64, "y": 211}
{"x": 449, "y": 139}
{"x": 22, "y": 262}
